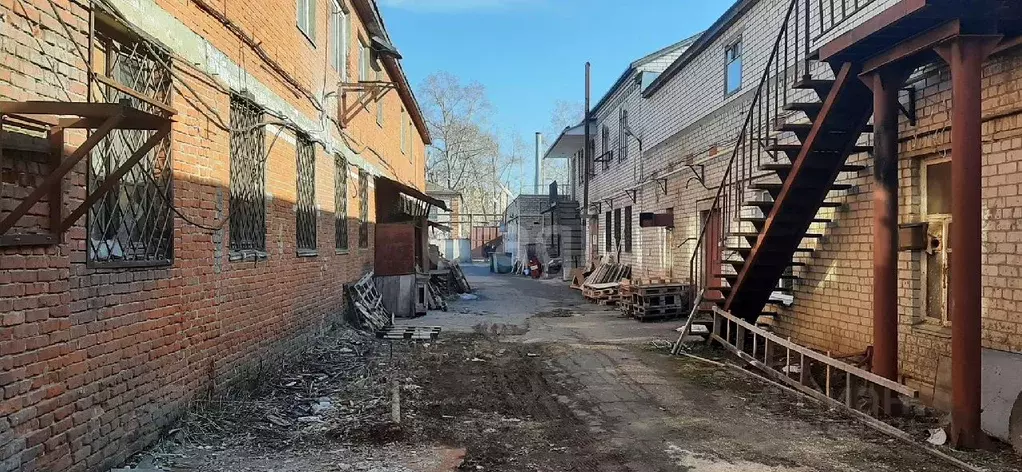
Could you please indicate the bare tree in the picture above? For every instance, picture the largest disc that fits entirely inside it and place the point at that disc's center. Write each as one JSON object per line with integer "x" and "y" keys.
{"x": 565, "y": 114}
{"x": 465, "y": 155}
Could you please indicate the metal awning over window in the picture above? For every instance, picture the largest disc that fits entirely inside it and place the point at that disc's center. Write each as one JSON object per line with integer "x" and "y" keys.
{"x": 397, "y": 201}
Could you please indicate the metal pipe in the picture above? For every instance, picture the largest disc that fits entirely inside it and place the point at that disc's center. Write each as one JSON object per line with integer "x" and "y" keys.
{"x": 539, "y": 167}
{"x": 885, "y": 85}
{"x": 587, "y": 157}
{"x": 966, "y": 55}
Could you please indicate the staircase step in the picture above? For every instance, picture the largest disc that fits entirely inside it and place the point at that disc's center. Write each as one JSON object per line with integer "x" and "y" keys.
{"x": 786, "y": 168}
{"x": 813, "y": 84}
{"x": 735, "y": 276}
{"x": 747, "y": 250}
{"x": 728, "y": 289}
{"x": 794, "y": 149}
{"x": 758, "y": 220}
{"x": 811, "y": 109}
{"x": 776, "y": 187}
{"x": 741, "y": 263}
{"x": 765, "y": 205}
{"x": 803, "y": 129}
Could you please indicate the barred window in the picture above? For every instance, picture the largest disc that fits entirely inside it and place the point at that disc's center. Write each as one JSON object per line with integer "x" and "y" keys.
{"x": 607, "y": 233}
{"x": 363, "y": 208}
{"x": 340, "y": 203}
{"x": 248, "y": 177}
{"x": 305, "y": 216}
{"x": 628, "y": 229}
{"x": 133, "y": 224}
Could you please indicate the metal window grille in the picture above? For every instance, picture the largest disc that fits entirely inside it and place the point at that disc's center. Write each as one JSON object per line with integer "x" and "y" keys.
{"x": 363, "y": 208}
{"x": 133, "y": 224}
{"x": 340, "y": 203}
{"x": 248, "y": 176}
{"x": 617, "y": 226}
{"x": 622, "y": 135}
{"x": 305, "y": 217}
{"x": 608, "y": 235}
{"x": 628, "y": 229}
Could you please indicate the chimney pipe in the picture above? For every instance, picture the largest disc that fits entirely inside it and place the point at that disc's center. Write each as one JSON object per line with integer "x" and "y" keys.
{"x": 539, "y": 165}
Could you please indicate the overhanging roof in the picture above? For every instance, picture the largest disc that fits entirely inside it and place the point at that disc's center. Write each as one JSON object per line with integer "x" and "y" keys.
{"x": 571, "y": 141}
{"x": 383, "y": 182}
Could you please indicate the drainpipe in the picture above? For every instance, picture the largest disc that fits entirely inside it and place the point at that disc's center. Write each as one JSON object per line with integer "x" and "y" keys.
{"x": 586, "y": 158}
{"x": 539, "y": 167}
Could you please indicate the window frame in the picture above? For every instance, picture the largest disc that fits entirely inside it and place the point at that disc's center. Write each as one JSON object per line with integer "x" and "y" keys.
{"x": 628, "y": 229}
{"x": 109, "y": 209}
{"x": 605, "y": 146}
{"x": 622, "y": 135}
{"x": 253, "y": 247}
{"x": 305, "y": 201}
{"x": 617, "y": 227}
{"x": 308, "y": 26}
{"x": 363, "y": 212}
{"x": 342, "y": 233}
{"x": 404, "y": 131}
{"x": 363, "y": 60}
{"x": 339, "y": 35}
{"x": 380, "y": 109}
{"x": 930, "y": 218}
{"x": 731, "y": 57}
{"x": 608, "y": 232}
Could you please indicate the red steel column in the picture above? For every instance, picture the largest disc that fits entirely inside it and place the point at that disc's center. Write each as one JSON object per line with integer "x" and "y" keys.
{"x": 885, "y": 84}
{"x": 966, "y": 55}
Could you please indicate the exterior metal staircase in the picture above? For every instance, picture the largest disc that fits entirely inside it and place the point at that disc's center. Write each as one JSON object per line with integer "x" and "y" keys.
{"x": 805, "y": 119}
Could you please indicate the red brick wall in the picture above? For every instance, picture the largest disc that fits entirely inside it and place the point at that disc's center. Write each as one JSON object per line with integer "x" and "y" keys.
{"x": 95, "y": 363}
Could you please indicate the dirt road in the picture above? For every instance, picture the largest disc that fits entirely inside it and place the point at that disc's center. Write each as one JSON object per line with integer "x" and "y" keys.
{"x": 530, "y": 378}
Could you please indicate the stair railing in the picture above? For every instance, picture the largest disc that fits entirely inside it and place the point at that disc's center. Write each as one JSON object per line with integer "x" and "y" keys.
{"x": 787, "y": 63}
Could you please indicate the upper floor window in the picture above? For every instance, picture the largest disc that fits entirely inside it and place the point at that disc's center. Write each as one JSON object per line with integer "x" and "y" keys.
{"x": 378, "y": 69}
{"x": 307, "y": 18}
{"x": 363, "y": 62}
{"x": 733, "y": 71}
{"x": 622, "y": 135}
{"x": 339, "y": 39}
{"x": 248, "y": 177}
{"x": 605, "y": 147}
{"x": 404, "y": 132}
{"x": 305, "y": 216}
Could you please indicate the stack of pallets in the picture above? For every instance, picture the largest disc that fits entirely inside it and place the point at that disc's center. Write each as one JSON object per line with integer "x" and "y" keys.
{"x": 625, "y": 292}
{"x": 660, "y": 299}
{"x": 602, "y": 294}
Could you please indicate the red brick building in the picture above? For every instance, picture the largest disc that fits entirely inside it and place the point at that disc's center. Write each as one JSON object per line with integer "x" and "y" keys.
{"x": 217, "y": 254}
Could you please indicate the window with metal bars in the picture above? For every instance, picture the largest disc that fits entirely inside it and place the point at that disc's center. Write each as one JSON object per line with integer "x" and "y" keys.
{"x": 133, "y": 224}
{"x": 340, "y": 203}
{"x": 305, "y": 216}
{"x": 363, "y": 208}
{"x": 608, "y": 234}
{"x": 617, "y": 227}
{"x": 628, "y": 229}
{"x": 605, "y": 147}
{"x": 248, "y": 178}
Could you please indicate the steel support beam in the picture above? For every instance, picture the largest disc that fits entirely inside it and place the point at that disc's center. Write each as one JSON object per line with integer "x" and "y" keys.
{"x": 966, "y": 55}
{"x": 885, "y": 83}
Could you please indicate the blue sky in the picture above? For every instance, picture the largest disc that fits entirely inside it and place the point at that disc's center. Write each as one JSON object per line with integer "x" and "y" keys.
{"x": 531, "y": 53}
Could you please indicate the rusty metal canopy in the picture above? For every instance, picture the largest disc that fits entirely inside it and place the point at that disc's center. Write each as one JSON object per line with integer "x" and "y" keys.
{"x": 385, "y": 182}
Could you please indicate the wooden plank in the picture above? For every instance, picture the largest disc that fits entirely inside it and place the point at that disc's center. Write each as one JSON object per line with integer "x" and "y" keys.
{"x": 863, "y": 374}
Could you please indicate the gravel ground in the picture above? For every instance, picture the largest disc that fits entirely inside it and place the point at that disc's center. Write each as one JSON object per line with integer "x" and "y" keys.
{"x": 526, "y": 378}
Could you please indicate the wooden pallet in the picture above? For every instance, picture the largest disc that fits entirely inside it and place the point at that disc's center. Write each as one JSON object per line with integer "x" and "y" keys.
{"x": 416, "y": 333}
{"x": 663, "y": 313}
{"x": 653, "y": 301}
